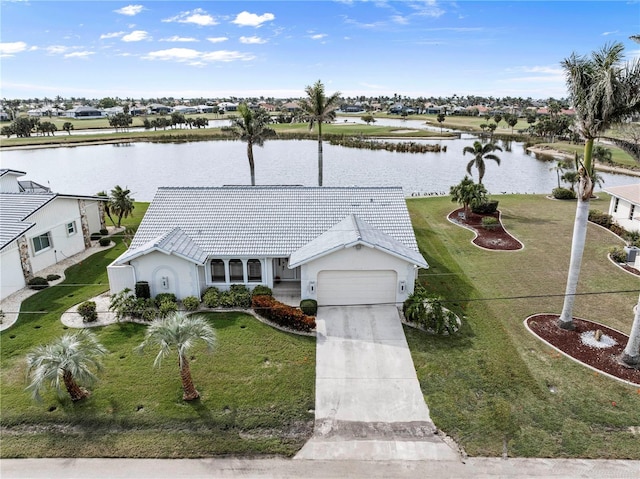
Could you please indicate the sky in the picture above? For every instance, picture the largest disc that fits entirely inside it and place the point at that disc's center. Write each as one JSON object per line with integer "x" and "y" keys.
{"x": 218, "y": 49}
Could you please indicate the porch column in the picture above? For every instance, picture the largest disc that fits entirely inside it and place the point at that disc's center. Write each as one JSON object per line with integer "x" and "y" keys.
{"x": 25, "y": 259}
{"x": 84, "y": 223}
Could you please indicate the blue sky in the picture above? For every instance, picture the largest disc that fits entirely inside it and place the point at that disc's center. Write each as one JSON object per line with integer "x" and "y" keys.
{"x": 187, "y": 49}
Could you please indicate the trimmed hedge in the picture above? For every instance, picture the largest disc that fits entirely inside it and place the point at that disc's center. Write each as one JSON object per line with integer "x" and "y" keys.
{"x": 164, "y": 297}
{"x": 490, "y": 222}
{"x": 309, "y": 307}
{"x": 211, "y": 297}
{"x": 53, "y": 277}
{"x": 38, "y": 283}
{"x": 104, "y": 241}
{"x": 563, "y": 194}
{"x": 191, "y": 303}
{"x": 485, "y": 208}
{"x": 260, "y": 290}
{"x": 88, "y": 311}
{"x": 282, "y": 314}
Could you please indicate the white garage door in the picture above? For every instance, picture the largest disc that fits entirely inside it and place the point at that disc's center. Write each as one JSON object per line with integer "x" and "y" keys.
{"x": 337, "y": 288}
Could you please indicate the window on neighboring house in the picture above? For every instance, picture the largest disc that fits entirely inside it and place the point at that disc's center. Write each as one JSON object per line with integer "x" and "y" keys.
{"x": 217, "y": 271}
{"x": 632, "y": 211}
{"x": 235, "y": 271}
{"x": 71, "y": 228}
{"x": 254, "y": 270}
{"x": 615, "y": 205}
{"x": 42, "y": 242}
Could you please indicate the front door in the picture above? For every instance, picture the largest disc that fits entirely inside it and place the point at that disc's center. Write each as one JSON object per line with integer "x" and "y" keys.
{"x": 281, "y": 270}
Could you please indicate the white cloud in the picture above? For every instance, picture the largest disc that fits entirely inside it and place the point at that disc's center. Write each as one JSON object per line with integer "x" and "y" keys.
{"x": 56, "y": 49}
{"x": 246, "y": 19}
{"x": 83, "y": 54}
{"x": 111, "y": 35}
{"x": 399, "y": 19}
{"x": 197, "y": 16}
{"x": 176, "y": 38}
{"x": 136, "y": 36}
{"x": 252, "y": 40}
{"x": 11, "y": 48}
{"x": 130, "y": 10}
{"x": 604, "y": 34}
{"x": 318, "y": 36}
{"x": 217, "y": 39}
{"x": 196, "y": 58}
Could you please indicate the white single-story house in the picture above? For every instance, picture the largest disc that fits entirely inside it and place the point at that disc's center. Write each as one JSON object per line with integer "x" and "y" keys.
{"x": 84, "y": 112}
{"x": 39, "y": 228}
{"x": 340, "y": 246}
{"x": 624, "y": 206}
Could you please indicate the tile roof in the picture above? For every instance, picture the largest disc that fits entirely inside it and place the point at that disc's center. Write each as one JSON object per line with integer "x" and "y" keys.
{"x": 15, "y": 208}
{"x": 630, "y": 193}
{"x": 353, "y": 231}
{"x": 173, "y": 242}
{"x": 270, "y": 220}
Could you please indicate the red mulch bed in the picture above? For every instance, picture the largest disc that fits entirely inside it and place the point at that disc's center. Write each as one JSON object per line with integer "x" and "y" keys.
{"x": 570, "y": 343}
{"x": 495, "y": 238}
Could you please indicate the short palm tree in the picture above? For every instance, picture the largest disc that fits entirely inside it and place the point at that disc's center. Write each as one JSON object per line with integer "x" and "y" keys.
{"x": 481, "y": 152}
{"x": 252, "y": 128}
{"x": 67, "y": 360}
{"x": 319, "y": 109}
{"x": 603, "y": 91}
{"x": 120, "y": 203}
{"x": 179, "y": 331}
{"x": 468, "y": 193}
{"x": 105, "y": 206}
{"x": 601, "y": 154}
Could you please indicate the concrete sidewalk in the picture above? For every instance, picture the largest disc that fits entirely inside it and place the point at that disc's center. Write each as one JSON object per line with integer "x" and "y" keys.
{"x": 476, "y": 468}
{"x": 369, "y": 405}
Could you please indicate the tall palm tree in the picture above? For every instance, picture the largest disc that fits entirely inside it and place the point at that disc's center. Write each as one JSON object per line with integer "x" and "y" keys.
{"x": 179, "y": 331}
{"x": 603, "y": 91}
{"x": 121, "y": 203}
{"x": 631, "y": 353}
{"x": 67, "y": 360}
{"x": 481, "y": 152}
{"x": 320, "y": 109}
{"x": 252, "y": 128}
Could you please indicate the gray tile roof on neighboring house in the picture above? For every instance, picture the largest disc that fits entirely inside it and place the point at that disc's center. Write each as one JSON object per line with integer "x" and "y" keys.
{"x": 173, "y": 242}
{"x": 15, "y": 208}
{"x": 630, "y": 193}
{"x": 4, "y": 171}
{"x": 270, "y": 220}
{"x": 350, "y": 232}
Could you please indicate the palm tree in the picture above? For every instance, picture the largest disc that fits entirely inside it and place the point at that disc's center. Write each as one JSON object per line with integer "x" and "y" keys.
{"x": 601, "y": 154}
{"x": 67, "y": 360}
{"x": 481, "y": 152}
{"x": 320, "y": 109}
{"x": 120, "y": 203}
{"x": 252, "y": 128}
{"x": 603, "y": 91}
{"x": 560, "y": 168}
{"x": 179, "y": 331}
{"x": 105, "y": 205}
{"x": 468, "y": 193}
{"x": 631, "y": 353}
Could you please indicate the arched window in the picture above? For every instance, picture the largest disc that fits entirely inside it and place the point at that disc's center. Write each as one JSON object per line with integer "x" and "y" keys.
{"x": 217, "y": 271}
{"x": 235, "y": 271}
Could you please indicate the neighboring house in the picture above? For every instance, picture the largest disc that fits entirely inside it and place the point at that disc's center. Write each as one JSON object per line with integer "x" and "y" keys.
{"x": 624, "y": 206}
{"x": 338, "y": 245}
{"x": 38, "y": 228}
{"x": 227, "y": 106}
{"x": 84, "y": 112}
{"x": 185, "y": 110}
{"x": 158, "y": 109}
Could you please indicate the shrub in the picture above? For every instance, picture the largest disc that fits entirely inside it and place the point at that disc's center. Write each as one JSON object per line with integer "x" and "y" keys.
{"x": 95, "y": 236}
{"x": 104, "y": 232}
{"x": 38, "y": 283}
{"x": 88, "y": 311}
{"x": 485, "y": 208}
{"x": 563, "y": 194}
{"x": 309, "y": 307}
{"x": 618, "y": 254}
{"x": 162, "y": 297}
{"x": 261, "y": 290}
{"x": 104, "y": 241}
{"x": 282, "y": 314}
{"x": 600, "y": 218}
{"x": 238, "y": 296}
{"x": 191, "y": 303}
{"x": 631, "y": 237}
{"x": 211, "y": 297}
{"x": 166, "y": 308}
{"x": 490, "y": 222}
{"x": 429, "y": 313}
{"x": 142, "y": 290}
{"x": 53, "y": 277}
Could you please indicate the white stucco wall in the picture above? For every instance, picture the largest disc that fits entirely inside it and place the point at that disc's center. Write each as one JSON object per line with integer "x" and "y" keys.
{"x": 621, "y": 215}
{"x": 9, "y": 183}
{"x": 93, "y": 216}
{"x": 358, "y": 259}
{"x": 182, "y": 277}
{"x": 11, "y": 277}
{"x": 121, "y": 277}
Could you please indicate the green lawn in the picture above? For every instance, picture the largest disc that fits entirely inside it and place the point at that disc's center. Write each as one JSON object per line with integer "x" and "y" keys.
{"x": 257, "y": 387}
{"x": 618, "y": 155}
{"x": 495, "y": 376}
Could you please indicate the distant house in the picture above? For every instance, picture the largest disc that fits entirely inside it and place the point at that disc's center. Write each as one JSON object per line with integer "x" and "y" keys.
{"x": 185, "y": 110}
{"x": 84, "y": 112}
{"x": 39, "y": 228}
{"x": 339, "y": 246}
{"x": 205, "y": 109}
{"x": 159, "y": 109}
{"x": 291, "y": 106}
{"x": 227, "y": 106}
{"x": 45, "y": 111}
{"x": 4, "y": 116}
{"x": 138, "y": 110}
{"x": 267, "y": 106}
{"x": 624, "y": 206}
{"x": 112, "y": 111}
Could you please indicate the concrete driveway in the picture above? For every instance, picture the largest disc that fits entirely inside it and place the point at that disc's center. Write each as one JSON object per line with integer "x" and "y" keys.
{"x": 369, "y": 405}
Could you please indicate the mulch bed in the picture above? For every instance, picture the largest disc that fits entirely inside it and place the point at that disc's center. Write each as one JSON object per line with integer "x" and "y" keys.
{"x": 495, "y": 238}
{"x": 603, "y": 359}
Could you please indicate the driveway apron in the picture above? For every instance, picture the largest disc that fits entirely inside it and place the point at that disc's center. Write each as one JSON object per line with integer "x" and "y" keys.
{"x": 369, "y": 404}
